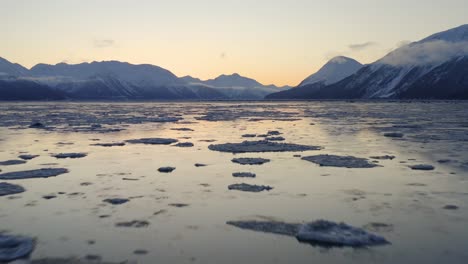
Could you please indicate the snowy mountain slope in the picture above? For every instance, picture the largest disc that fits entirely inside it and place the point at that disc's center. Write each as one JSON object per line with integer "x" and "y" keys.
{"x": 9, "y": 69}
{"x": 334, "y": 71}
{"x": 402, "y": 69}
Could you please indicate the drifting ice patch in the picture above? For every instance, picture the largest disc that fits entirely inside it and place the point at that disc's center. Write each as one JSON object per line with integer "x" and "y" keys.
{"x": 152, "y": 141}
{"x": 28, "y": 157}
{"x": 40, "y": 173}
{"x": 260, "y": 146}
{"x": 116, "y": 201}
{"x": 250, "y": 161}
{"x": 244, "y": 175}
{"x": 69, "y": 155}
{"x": 15, "y": 247}
{"x": 328, "y": 233}
{"x": 422, "y": 167}
{"x": 8, "y": 189}
{"x": 249, "y": 188}
{"x": 134, "y": 223}
{"x": 11, "y": 162}
{"x": 116, "y": 144}
{"x": 340, "y": 161}
{"x": 166, "y": 169}
{"x": 184, "y": 145}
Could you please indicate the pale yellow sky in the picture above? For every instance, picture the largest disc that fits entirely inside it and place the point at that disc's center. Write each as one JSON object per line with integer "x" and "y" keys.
{"x": 273, "y": 41}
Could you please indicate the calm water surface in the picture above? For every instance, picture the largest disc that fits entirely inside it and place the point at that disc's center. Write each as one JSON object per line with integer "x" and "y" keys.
{"x": 411, "y": 202}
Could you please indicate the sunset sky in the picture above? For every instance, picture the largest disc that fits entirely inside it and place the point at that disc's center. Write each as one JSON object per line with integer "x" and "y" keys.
{"x": 273, "y": 41}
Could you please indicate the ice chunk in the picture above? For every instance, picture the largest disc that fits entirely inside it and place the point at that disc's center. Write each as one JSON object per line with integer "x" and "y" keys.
{"x": 244, "y": 175}
{"x": 260, "y": 146}
{"x": 182, "y": 129}
{"x": 15, "y": 247}
{"x": 69, "y": 155}
{"x": 327, "y": 233}
{"x": 27, "y": 157}
{"x": 116, "y": 144}
{"x": 340, "y": 161}
{"x": 8, "y": 189}
{"x": 422, "y": 167}
{"x": 384, "y": 157}
{"x": 11, "y": 162}
{"x": 134, "y": 223}
{"x": 249, "y": 188}
{"x": 116, "y": 201}
{"x": 184, "y": 145}
{"x": 250, "y": 161}
{"x": 275, "y": 139}
{"x": 152, "y": 141}
{"x": 166, "y": 169}
{"x": 40, "y": 173}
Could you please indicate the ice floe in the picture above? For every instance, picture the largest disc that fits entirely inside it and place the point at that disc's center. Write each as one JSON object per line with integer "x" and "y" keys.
{"x": 134, "y": 223}
{"x": 184, "y": 145}
{"x": 39, "y": 173}
{"x": 27, "y": 157}
{"x": 8, "y": 189}
{"x": 249, "y": 187}
{"x": 425, "y": 167}
{"x": 340, "y": 161}
{"x": 323, "y": 232}
{"x": 15, "y": 247}
{"x": 116, "y": 144}
{"x": 260, "y": 146}
{"x": 244, "y": 175}
{"x": 394, "y": 135}
{"x": 166, "y": 169}
{"x": 116, "y": 201}
{"x": 69, "y": 155}
{"x": 250, "y": 161}
{"x": 152, "y": 141}
{"x": 11, "y": 162}
{"x": 318, "y": 233}
{"x": 384, "y": 157}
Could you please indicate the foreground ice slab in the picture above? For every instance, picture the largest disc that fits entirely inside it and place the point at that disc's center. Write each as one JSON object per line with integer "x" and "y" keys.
{"x": 15, "y": 247}
{"x": 8, "y": 189}
{"x": 340, "y": 161}
{"x": 324, "y": 232}
{"x": 250, "y": 161}
{"x": 318, "y": 233}
{"x": 249, "y": 188}
{"x": 152, "y": 141}
{"x": 260, "y": 146}
{"x": 40, "y": 173}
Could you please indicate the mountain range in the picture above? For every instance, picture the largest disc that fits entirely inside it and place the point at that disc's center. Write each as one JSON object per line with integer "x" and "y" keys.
{"x": 435, "y": 67}
{"x": 114, "y": 80}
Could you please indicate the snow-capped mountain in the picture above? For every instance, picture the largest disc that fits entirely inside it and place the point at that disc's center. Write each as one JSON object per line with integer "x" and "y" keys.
{"x": 236, "y": 87}
{"x": 11, "y": 70}
{"x": 334, "y": 71}
{"x": 401, "y": 73}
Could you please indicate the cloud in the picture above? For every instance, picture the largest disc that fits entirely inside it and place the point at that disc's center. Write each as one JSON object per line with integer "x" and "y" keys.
{"x": 426, "y": 53}
{"x": 361, "y": 46}
{"x": 103, "y": 43}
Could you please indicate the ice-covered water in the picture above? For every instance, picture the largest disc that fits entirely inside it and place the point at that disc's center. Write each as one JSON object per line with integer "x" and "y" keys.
{"x": 181, "y": 217}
